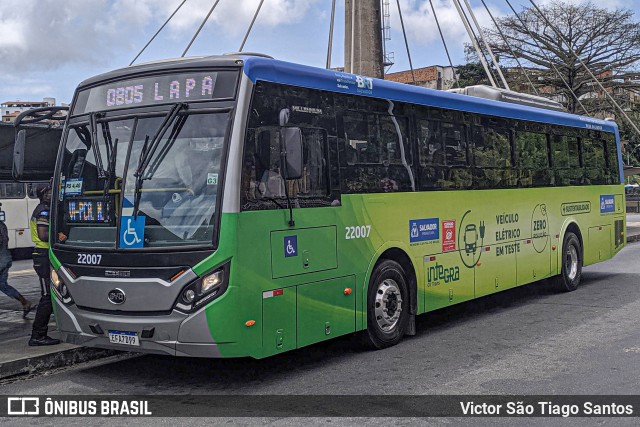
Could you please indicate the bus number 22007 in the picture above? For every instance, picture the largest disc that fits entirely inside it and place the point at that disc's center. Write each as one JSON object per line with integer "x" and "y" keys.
{"x": 360, "y": 232}
{"x": 89, "y": 259}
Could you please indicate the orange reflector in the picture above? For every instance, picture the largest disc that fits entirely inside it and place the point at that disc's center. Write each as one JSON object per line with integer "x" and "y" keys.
{"x": 528, "y": 241}
{"x": 557, "y": 236}
{"x": 487, "y": 248}
{"x": 249, "y": 323}
{"x": 175, "y": 276}
{"x": 478, "y": 264}
{"x": 348, "y": 291}
{"x": 553, "y": 248}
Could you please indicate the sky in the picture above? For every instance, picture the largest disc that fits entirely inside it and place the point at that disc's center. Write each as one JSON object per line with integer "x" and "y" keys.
{"x": 47, "y": 47}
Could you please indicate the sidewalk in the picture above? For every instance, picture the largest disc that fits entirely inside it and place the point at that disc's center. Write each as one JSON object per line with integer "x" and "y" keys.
{"x": 633, "y": 227}
{"x": 16, "y": 357}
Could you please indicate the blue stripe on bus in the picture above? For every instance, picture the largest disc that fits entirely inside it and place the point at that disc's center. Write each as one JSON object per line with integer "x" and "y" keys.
{"x": 271, "y": 70}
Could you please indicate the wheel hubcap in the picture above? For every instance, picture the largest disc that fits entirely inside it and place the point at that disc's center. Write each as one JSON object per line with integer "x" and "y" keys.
{"x": 571, "y": 261}
{"x": 388, "y": 305}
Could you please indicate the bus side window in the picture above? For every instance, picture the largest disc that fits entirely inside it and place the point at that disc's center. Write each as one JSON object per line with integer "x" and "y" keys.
{"x": 372, "y": 146}
{"x": 565, "y": 157}
{"x": 492, "y": 158}
{"x": 430, "y": 149}
{"x": 261, "y": 174}
{"x": 612, "y": 159}
{"x": 533, "y": 159}
{"x": 594, "y": 161}
{"x": 314, "y": 151}
{"x": 12, "y": 190}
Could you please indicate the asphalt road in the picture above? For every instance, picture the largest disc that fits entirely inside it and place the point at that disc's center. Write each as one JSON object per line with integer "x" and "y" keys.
{"x": 529, "y": 340}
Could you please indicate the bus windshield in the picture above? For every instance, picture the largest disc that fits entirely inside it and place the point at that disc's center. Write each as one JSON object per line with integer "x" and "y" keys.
{"x": 176, "y": 194}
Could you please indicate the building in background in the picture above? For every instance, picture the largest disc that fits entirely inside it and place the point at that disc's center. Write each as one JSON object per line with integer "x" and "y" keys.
{"x": 11, "y": 109}
{"x": 434, "y": 77}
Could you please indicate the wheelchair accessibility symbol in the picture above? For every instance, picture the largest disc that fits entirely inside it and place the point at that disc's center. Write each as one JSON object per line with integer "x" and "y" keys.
{"x": 290, "y": 246}
{"x": 132, "y": 231}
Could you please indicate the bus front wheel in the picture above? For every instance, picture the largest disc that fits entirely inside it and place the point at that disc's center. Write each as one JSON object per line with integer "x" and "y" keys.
{"x": 387, "y": 305}
{"x": 571, "y": 273}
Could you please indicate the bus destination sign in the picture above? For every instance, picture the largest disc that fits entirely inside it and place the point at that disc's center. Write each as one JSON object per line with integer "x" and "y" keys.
{"x": 194, "y": 87}
{"x": 184, "y": 87}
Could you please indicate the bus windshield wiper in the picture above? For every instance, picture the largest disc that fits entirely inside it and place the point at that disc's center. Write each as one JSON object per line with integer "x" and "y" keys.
{"x": 93, "y": 123}
{"x": 148, "y": 150}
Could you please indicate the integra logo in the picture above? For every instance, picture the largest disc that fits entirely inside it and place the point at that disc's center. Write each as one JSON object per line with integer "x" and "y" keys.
{"x": 439, "y": 273}
{"x": 116, "y": 296}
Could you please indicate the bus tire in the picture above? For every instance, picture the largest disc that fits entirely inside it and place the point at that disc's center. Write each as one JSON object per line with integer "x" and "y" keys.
{"x": 571, "y": 273}
{"x": 387, "y": 305}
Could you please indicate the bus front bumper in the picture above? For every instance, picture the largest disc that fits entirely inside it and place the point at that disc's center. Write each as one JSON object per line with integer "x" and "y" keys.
{"x": 175, "y": 334}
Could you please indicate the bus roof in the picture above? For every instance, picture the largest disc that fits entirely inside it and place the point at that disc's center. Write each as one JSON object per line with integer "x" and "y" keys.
{"x": 272, "y": 70}
{"x": 172, "y": 64}
{"x": 267, "y": 69}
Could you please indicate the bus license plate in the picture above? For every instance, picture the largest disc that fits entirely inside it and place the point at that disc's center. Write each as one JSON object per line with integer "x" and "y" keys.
{"x": 123, "y": 337}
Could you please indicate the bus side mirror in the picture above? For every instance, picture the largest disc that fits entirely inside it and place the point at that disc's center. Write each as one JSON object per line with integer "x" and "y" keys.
{"x": 18, "y": 154}
{"x": 292, "y": 138}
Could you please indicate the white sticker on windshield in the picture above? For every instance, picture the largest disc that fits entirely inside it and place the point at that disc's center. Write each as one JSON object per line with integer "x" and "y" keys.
{"x": 61, "y": 188}
{"x": 73, "y": 187}
{"x": 212, "y": 179}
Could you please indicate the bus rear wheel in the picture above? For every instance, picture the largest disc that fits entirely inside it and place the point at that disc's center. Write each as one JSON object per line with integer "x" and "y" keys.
{"x": 387, "y": 305}
{"x": 571, "y": 273}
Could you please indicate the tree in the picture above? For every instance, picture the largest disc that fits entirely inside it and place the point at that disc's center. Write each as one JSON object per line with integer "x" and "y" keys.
{"x": 608, "y": 42}
{"x": 472, "y": 72}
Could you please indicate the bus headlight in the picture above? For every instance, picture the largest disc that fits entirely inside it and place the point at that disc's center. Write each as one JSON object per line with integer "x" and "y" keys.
{"x": 60, "y": 288}
{"x": 55, "y": 279}
{"x": 212, "y": 281}
{"x": 204, "y": 289}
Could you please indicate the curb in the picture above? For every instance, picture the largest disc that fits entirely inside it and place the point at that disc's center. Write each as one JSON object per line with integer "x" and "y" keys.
{"x": 68, "y": 357}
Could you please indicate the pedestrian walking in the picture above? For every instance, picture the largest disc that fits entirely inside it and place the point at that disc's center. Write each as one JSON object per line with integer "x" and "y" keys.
{"x": 39, "y": 226}
{"x": 5, "y": 264}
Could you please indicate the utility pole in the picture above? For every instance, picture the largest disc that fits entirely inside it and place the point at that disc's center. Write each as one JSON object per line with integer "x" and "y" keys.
{"x": 363, "y": 32}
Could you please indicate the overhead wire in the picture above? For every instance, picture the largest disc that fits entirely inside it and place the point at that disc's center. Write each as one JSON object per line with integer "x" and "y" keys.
{"x": 330, "y": 44}
{"x": 199, "y": 29}
{"x": 246, "y": 36}
{"x": 548, "y": 58}
{"x": 486, "y": 45}
{"x": 565, "y": 41}
{"x": 472, "y": 36}
{"x": 506, "y": 42}
{"x": 435, "y": 16}
{"x": 406, "y": 42}
{"x": 476, "y": 39}
{"x": 157, "y": 32}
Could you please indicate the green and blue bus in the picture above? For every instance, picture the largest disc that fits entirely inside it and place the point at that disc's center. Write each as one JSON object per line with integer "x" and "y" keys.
{"x": 238, "y": 205}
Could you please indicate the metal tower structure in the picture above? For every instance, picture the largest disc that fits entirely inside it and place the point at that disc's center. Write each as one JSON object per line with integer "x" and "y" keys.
{"x": 387, "y": 57}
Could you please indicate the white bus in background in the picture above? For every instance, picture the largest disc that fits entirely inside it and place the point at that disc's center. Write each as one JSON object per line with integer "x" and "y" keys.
{"x": 18, "y": 202}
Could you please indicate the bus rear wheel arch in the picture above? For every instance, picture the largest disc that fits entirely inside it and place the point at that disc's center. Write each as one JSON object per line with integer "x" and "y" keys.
{"x": 572, "y": 260}
{"x": 390, "y": 303}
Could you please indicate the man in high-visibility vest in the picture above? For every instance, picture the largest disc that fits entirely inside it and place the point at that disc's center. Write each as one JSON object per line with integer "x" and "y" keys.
{"x": 39, "y": 226}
